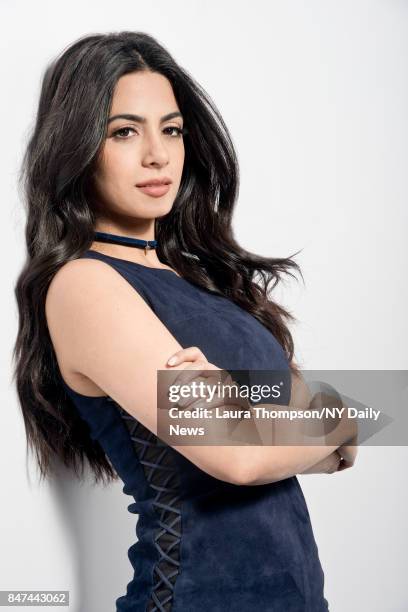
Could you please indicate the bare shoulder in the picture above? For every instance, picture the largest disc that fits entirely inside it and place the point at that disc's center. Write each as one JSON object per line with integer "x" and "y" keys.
{"x": 76, "y": 287}
{"x": 71, "y": 280}
{"x": 82, "y": 296}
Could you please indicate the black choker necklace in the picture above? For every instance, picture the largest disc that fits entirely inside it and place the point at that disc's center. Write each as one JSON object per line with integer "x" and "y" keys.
{"x": 126, "y": 240}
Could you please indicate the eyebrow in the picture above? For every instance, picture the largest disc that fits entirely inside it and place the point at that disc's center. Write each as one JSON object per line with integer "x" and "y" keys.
{"x": 140, "y": 119}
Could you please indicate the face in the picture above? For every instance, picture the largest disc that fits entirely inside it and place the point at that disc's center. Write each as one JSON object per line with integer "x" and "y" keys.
{"x": 136, "y": 151}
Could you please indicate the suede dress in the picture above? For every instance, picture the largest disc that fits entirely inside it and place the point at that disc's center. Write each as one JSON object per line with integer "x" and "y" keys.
{"x": 202, "y": 544}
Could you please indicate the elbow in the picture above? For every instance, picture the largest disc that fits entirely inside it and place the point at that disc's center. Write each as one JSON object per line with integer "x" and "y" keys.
{"x": 240, "y": 478}
{"x": 233, "y": 475}
{"x": 250, "y": 476}
{"x": 244, "y": 475}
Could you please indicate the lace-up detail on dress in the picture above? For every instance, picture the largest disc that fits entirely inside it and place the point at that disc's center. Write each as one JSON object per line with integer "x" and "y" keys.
{"x": 162, "y": 476}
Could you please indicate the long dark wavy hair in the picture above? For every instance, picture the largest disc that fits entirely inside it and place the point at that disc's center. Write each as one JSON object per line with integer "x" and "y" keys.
{"x": 55, "y": 178}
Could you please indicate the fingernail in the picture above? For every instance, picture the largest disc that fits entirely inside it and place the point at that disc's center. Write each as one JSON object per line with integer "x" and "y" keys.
{"x": 172, "y": 361}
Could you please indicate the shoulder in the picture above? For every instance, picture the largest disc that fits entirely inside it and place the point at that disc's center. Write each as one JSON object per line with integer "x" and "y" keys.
{"x": 76, "y": 274}
{"x": 83, "y": 289}
{"x": 83, "y": 282}
{"x": 88, "y": 307}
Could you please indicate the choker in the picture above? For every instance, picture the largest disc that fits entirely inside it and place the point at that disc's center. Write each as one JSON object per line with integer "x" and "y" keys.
{"x": 126, "y": 240}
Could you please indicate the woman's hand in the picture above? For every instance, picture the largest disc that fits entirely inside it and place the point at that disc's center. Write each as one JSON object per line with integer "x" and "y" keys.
{"x": 192, "y": 353}
{"x": 341, "y": 459}
{"x": 348, "y": 453}
{"x": 200, "y": 365}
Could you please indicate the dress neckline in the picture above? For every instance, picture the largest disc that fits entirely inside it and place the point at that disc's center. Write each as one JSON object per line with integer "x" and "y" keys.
{"x": 134, "y": 263}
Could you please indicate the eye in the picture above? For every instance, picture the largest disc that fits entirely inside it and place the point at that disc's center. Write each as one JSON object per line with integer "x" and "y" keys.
{"x": 119, "y": 134}
{"x": 179, "y": 131}
{"x": 124, "y": 129}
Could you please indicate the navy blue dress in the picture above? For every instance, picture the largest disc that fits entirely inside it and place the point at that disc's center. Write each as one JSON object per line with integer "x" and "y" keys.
{"x": 204, "y": 545}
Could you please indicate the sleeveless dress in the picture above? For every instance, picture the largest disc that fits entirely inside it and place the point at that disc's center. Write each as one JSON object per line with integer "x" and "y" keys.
{"x": 204, "y": 545}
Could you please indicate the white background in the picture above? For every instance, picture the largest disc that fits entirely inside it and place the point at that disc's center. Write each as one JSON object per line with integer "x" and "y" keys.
{"x": 315, "y": 96}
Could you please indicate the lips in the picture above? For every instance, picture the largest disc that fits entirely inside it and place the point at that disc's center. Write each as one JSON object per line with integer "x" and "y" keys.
{"x": 155, "y": 182}
{"x": 155, "y": 190}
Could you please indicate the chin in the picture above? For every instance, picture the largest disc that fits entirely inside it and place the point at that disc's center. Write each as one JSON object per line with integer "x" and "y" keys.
{"x": 152, "y": 209}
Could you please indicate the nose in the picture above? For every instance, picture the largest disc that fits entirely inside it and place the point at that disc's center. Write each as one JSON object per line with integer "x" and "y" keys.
{"x": 155, "y": 151}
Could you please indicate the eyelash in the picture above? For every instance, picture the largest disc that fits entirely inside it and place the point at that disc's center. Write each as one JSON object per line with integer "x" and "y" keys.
{"x": 180, "y": 132}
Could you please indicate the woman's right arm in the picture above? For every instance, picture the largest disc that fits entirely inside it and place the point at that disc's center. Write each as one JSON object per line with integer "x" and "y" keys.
{"x": 102, "y": 329}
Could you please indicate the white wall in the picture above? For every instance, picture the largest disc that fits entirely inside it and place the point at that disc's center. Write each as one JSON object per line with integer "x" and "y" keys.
{"x": 315, "y": 96}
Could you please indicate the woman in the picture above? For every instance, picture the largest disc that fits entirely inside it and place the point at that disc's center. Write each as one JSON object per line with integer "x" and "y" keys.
{"x": 99, "y": 316}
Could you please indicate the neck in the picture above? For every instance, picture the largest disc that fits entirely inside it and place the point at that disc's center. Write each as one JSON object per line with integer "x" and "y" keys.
{"x": 144, "y": 229}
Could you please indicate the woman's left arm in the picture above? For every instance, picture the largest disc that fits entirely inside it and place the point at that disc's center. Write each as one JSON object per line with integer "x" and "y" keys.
{"x": 340, "y": 459}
